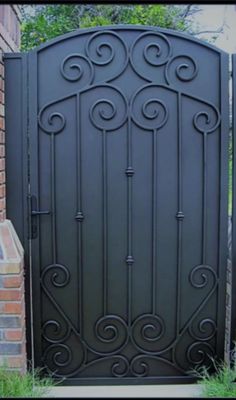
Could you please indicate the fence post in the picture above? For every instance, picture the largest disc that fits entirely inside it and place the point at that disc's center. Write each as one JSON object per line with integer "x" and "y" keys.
{"x": 12, "y": 288}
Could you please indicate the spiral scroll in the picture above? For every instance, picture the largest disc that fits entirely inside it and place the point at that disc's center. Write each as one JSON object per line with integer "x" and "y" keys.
{"x": 57, "y": 356}
{"x": 58, "y": 274}
{"x": 200, "y": 275}
{"x": 51, "y": 122}
{"x": 75, "y": 67}
{"x": 205, "y": 330}
{"x": 150, "y": 365}
{"x": 108, "y": 113}
{"x": 139, "y": 367}
{"x": 111, "y": 330}
{"x": 148, "y": 112}
{"x": 150, "y": 50}
{"x": 200, "y": 353}
{"x": 182, "y": 67}
{"x": 147, "y": 330}
{"x": 55, "y": 332}
{"x": 120, "y": 368}
{"x": 117, "y": 366}
{"x": 207, "y": 121}
{"x": 107, "y": 49}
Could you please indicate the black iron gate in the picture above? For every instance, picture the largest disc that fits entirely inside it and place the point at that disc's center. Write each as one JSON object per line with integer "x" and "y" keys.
{"x": 126, "y": 133}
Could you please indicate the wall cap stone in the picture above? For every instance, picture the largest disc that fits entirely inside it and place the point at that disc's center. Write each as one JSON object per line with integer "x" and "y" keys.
{"x": 11, "y": 250}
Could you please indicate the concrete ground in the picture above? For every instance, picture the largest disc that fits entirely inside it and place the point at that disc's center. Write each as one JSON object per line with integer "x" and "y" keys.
{"x": 144, "y": 391}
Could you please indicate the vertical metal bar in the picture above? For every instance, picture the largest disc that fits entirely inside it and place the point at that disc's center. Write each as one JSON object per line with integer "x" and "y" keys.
{"x": 204, "y": 199}
{"x": 104, "y": 190}
{"x": 129, "y": 259}
{"x": 233, "y": 285}
{"x": 79, "y": 215}
{"x": 53, "y": 200}
{"x": 180, "y": 215}
{"x": 154, "y": 217}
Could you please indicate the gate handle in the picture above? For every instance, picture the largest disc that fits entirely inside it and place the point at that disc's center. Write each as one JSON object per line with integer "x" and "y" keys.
{"x": 35, "y": 212}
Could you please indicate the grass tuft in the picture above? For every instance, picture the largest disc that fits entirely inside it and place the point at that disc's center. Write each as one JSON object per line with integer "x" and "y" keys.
{"x": 220, "y": 383}
{"x": 15, "y": 384}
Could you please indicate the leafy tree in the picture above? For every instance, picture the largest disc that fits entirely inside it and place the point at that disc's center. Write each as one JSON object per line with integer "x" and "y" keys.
{"x": 42, "y": 23}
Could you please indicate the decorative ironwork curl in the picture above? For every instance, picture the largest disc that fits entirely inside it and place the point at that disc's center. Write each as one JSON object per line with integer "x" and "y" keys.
{"x": 121, "y": 367}
{"x": 103, "y": 51}
{"x": 138, "y": 367}
{"x": 60, "y": 354}
{"x": 185, "y": 70}
{"x": 109, "y": 330}
{"x": 206, "y": 329}
{"x": 53, "y": 332}
{"x": 54, "y": 122}
{"x": 199, "y": 353}
{"x": 147, "y": 330}
{"x": 60, "y": 275}
{"x": 148, "y": 113}
{"x": 100, "y": 57}
{"x": 209, "y": 124}
{"x": 155, "y": 48}
{"x": 103, "y": 113}
{"x": 67, "y": 67}
{"x": 199, "y": 279}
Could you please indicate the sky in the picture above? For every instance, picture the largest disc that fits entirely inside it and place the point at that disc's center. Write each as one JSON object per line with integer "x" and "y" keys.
{"x": 211, "y": 17}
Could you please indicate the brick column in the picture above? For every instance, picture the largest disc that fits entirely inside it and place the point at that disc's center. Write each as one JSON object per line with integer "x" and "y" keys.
{"x": 9, "y": 42}
{"x": 12, "y": 300}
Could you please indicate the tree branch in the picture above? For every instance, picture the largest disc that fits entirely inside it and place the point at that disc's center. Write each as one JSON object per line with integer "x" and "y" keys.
{"x": 219, "y": 30}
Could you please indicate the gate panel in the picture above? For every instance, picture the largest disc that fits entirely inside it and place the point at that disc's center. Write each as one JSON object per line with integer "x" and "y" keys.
{"x": 128, "y": 133}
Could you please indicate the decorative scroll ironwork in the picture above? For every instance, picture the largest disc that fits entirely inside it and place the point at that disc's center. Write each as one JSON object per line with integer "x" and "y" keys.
{"x": 108, "y": 330}
{"x": 75, "y": 66}
{"x": 199, "y": 353}
{"x": 147, "y": 330}
{"x": 205, "y": 330}
{"x": 149, "y": 114}
{"x": 104, "y": 113}
{"x": 184, "y": 69}
{"x": 150, "y": 51}
{"x": 55, "y": 121}
{"x": 106, "y": 49}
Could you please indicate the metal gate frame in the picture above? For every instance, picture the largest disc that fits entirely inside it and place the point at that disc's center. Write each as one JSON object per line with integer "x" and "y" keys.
{"x": 17, "y": 169}
{"x": 233, "y": 251}
{"x": 17, "y": 165}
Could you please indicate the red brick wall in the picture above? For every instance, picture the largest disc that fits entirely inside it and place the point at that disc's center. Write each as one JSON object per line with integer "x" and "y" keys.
{"x": 9, "y": 42}
{"x": 12, "y": 301}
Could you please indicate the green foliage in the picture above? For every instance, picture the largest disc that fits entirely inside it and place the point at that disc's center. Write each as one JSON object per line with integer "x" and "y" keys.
{"x": 50, "y": 21}
{"x": 14, "y": 384}
{"x": 220, "y": 384}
